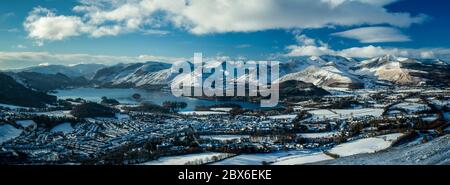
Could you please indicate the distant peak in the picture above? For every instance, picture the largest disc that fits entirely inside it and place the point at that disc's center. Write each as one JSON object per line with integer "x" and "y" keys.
{"x": 388, "y": 57}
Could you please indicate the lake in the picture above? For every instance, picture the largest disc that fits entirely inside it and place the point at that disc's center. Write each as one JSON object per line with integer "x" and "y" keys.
{"x": 124, "y": 96}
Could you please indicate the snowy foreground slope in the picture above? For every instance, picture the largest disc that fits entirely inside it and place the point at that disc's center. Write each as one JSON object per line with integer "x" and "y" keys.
{"x": 436, "y": 151}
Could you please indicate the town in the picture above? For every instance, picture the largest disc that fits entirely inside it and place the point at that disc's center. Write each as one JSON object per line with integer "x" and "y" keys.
{"x": 298, "y": 132}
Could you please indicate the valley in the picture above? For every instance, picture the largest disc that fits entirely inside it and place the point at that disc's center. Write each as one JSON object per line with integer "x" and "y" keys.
{"x": 331, "y": 108}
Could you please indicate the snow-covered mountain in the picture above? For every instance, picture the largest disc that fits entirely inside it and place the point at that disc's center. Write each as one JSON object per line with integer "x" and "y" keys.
{"x": 80, "y": 70}
{"x": 404, "y": 71}
{"x": 48, "y": 82}
{"x": 134, "y": 75}
{"x": 325, "y": 71}
{"x": 335, "y": 71}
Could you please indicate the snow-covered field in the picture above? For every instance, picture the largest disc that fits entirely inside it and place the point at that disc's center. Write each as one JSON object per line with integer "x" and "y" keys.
{"x": 302, "y": 159}
{"x": 25, "y": 123}
{"x": 317, "y": 135}
{"x": 286, "y": 116}
{"x": 8, "y": 132}
{"x": 414, "y": 100}
{"x": 63, "y": 127}
{"x": 430, "y": 118}
{"x": 344, "y": 113}
{"x": 183, "y": 159}
{"x": 224, "y": 137}
{"x": 412, "y": 108}
{"x": 440, "y": 103}
{"x": 120, "y": 116}
{"x": 201, "y": 113}
{"x": 257, "y": 159}
{"x": 366, "y": 145}
{"x": 223, "y": 109}
{"x": 435, "y": 152}
{"x": 56, "y": 113}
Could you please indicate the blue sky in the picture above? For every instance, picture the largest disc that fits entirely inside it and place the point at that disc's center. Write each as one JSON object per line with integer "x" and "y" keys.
{"x": 79, "y": 31}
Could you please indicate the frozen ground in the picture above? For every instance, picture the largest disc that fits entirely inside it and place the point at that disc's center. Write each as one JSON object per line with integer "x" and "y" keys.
{"x": 63, "y": 127}
{"x": 285, "y": 116}
{"x": 183, "y": 159}
{"x": 344, "y": 113}
{"x": 366, "y": 145}
{"x": 25, "y": 123}
{"x": 224, "y": 137}
{"x": 201, "y": 113}
{"x": 56, "y": 113}
{"x": 318, "y": 135}
{"x": 223, "y": 109}
{"x": 434, "y": 152}
{"x": 257, "y": 159}
{"x": 302, "y": 159}
{"x": 412, "y": 108}
{"x": 8, "y": 132}
{"x": 120, "y": 116}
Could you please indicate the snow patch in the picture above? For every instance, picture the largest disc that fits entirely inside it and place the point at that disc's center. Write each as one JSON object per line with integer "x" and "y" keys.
{"x": 183, "y": 159}
{"x": 8, "y": 132}
{"x": 302, "y": 159}
{"x": 201, "y": 113}
{"x": 25, "y": 123}
{"x": 366, "y": 145}
{"x": 224, "y": 137}
{"x": 63, "y": 127}
{"x": 317, "y": 135}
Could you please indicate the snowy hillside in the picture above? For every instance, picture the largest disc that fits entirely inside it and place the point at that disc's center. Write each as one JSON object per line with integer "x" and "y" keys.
{"x": 335, "y": 71}
{"x": 402, "y": 71}
{"x": 8, "y": 132}
{"x": 79, "y": 70}
{"x": 325, "y": 71}
{"x": 436, "y": 151}
{"x": 138, "y": 74}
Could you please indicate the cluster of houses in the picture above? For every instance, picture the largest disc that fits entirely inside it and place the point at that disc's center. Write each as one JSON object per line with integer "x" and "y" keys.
{"x": 370, "y": 113}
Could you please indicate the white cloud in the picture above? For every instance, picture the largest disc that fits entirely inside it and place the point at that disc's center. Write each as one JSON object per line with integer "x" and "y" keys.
{"x": 13, "y": 60}
{"x": 206, "y": 16}
{"x": 373, "y": 51}
{"x": 43, "y": 24}
{"x": 98, "y": 18}
{"x": 311, "y": 47}
{"x": 304, "y": 40}
{"x": 335, "y": 3}
{"x": 307, "y": 46}
{"x": 309, "y": 50}
{"x": 374, "y": 35}
{"x": 427, "y": 54}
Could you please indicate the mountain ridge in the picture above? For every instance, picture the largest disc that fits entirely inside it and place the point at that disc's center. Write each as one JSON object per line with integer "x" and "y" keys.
{"x": 323, "y": 71}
